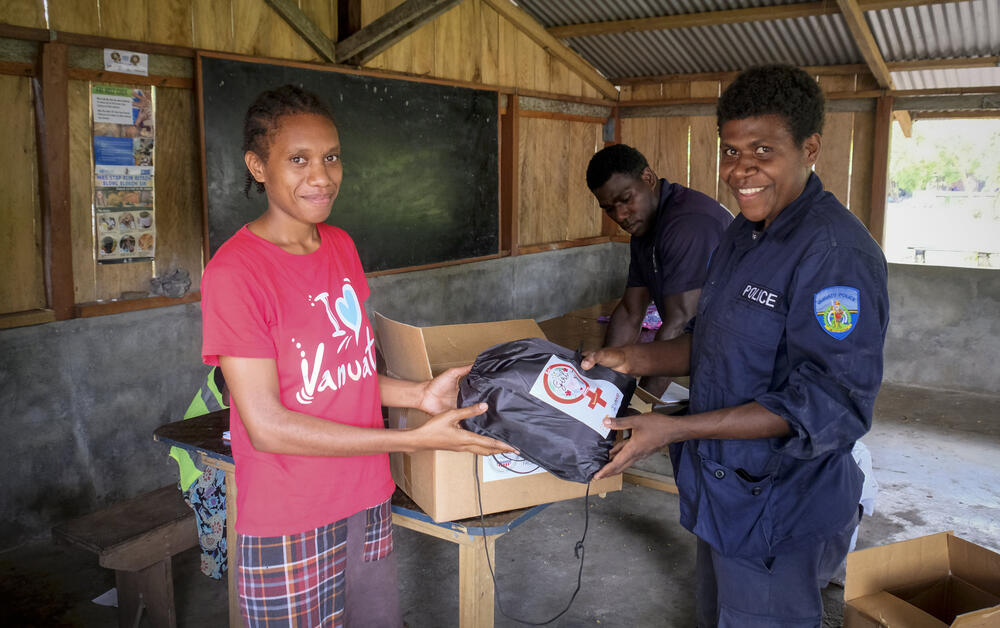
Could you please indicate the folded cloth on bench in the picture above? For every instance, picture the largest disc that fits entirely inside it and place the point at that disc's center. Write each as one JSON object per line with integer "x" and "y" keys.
{"x": 543, "y": 403}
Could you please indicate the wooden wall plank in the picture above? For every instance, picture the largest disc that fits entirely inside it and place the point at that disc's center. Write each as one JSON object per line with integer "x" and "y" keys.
{"x": 124, "y": 19}
{"x": 323, "y": 14}
{"x": 555, "y": 204}
{"x": 528, "y": 230}
{"x": 75, "y": 16}
{"x": 506, "y": 50}
{"x": 452, "y": 45}
{"x": 261, "y": 32}
{"x": 524, "y": 55}
{"x": 540, "y": 63}
{"x": 585, "y": 217}
{"x": 673, "y": 138}
{"x": 399, "y": 57}
{"x": 862, "y": 159}
{"x": 833, "y": 165}
{"x": 81, "y": 174}
{"x": 558, "y": 76}
{"x": 169, "y": 22}
{"x": 22, "y": 284}
{"x": 704, "y": 166}
{"x": 178, "y": 207}
{"x": 212, "y": 22}
{"x": 551, "y": 187}
{"x": 29, "y": 13}
{"x": 371, "y": 10}
{"x": 489, "y": 27}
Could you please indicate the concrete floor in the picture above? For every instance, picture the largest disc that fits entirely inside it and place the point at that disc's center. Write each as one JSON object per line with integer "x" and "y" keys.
{"x": 935, "y": 457}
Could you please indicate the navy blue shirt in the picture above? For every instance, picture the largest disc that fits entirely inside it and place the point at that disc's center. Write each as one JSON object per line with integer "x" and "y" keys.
{"x": 672, "y": 257}
{"x": 793, "y": 317}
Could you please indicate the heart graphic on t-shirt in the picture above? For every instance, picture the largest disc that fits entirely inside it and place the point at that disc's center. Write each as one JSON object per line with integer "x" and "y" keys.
{"x": 349, "y": 310}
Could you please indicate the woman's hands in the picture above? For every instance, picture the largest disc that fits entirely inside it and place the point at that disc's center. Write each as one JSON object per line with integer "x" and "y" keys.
{"x": 441, "y": 393}
{"x": 443, "y": 431}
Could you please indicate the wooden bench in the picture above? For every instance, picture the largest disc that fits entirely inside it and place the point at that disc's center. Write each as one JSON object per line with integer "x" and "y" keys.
{"x": 138, "y": 538}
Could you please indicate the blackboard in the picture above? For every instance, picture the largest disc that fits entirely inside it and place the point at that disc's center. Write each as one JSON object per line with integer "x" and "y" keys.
{"x": 420, "y": 161}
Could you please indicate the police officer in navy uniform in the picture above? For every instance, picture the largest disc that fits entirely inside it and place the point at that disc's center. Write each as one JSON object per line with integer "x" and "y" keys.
{"x": 785, "y": 358}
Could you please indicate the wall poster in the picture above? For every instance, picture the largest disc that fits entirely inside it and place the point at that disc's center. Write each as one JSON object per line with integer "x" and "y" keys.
{"x": 124, "y": 213}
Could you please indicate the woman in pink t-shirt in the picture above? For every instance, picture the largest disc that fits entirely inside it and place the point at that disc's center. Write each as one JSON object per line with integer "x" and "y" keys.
{"x": 283, "y": 315}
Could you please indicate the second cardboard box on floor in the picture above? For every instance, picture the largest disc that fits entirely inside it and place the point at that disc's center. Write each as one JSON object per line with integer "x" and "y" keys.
{"x": 443, "y": 483}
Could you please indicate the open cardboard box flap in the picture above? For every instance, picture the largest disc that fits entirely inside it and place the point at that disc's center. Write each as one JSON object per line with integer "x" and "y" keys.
{"x": 924, "y": 582}
{"x": 419, "y": 353}
{"x": 442, "y": 483}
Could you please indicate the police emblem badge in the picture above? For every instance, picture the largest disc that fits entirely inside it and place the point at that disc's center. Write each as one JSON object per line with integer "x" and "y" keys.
{"x": 838, "y": 309}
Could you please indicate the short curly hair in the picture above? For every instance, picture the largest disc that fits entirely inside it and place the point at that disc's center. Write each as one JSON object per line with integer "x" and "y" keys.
{"x": 617, "y": 158}
{"x": 782, "y": 90}
{"x": 261, "y": 121}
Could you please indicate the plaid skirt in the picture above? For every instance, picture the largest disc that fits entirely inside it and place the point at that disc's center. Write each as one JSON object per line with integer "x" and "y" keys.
{"x": 301, "y": 579}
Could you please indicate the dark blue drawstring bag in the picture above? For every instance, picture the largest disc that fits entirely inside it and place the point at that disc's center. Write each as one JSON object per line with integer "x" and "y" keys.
{"x": 534, "y": 388}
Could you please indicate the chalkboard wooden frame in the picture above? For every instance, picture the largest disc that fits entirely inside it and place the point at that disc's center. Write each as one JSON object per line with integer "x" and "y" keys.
{"x": 419, "y": 190}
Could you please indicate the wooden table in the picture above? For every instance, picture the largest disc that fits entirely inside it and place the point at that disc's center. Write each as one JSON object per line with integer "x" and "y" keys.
{"x": 202, "y": 436}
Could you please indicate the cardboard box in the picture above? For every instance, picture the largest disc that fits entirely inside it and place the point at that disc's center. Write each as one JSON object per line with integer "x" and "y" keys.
{"x": 931, "y": 582}
{"x": 442, "y": 483}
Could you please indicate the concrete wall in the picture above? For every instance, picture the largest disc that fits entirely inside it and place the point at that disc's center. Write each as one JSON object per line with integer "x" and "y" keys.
{"x": 79, "y": 399}
{"x": 944, "y": 328}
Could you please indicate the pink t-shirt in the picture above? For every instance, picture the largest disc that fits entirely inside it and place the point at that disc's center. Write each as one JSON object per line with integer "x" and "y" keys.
{"x": 307, "y": 313}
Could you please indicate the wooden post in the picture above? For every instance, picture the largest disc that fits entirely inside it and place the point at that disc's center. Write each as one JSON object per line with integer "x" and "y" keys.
{"x": 54, "y": 168}
{"x": 475, "y": 586}
{"x": 509, "y": 170}
{"x": 608, "y": 226}
{"x": 232, "y": 551}
{"x": 880, "y": 166}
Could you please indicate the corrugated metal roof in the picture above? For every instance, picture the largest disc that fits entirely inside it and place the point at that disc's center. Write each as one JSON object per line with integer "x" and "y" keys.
{"x": 551, "y": 13}
{"x": 957, "y": 29}
{"x": 937, "y": 79}
{"x": 946, "y": 30}
{"x": 821, "y": 40}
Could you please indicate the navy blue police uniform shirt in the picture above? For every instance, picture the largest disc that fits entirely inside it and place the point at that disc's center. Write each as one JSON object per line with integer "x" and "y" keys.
{"x": 673, "y": 256}
{"x": 793, "y": 317}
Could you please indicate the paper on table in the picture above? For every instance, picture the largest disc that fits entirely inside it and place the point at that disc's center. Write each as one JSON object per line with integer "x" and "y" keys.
{"x": 675, "y": 393}
{"x": 108, "y": 598}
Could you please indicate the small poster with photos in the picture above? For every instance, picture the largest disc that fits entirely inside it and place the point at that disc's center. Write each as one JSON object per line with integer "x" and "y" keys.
{"x": 124, "y": 208}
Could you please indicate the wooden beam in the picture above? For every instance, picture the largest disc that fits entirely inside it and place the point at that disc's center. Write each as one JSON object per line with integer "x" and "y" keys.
{"x": 694, "y": 20}
{"x": 527, "y": 25}
{"x": 306, "y": 28}
{"x": 370, "y": 41}
{"x": 865, "y": 41}
{"x": 905, "y": 122}
{"x": 880, "y": 167}
{"x": 650, "y": 479}
{"x": 815, "y": 70}
{"x": 823, "y": 70}
{"x": 509, "y": 174}
{"x": 732, "y": 16}
{"x": 943, "y": 64}
{"x": 949, "y": 115}
{"x": 972, "y": 102}
{"x": 53, "y": 133}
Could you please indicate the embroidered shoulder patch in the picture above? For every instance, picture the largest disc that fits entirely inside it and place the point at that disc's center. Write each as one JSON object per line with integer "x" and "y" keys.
{"x": 838, "y": 309}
